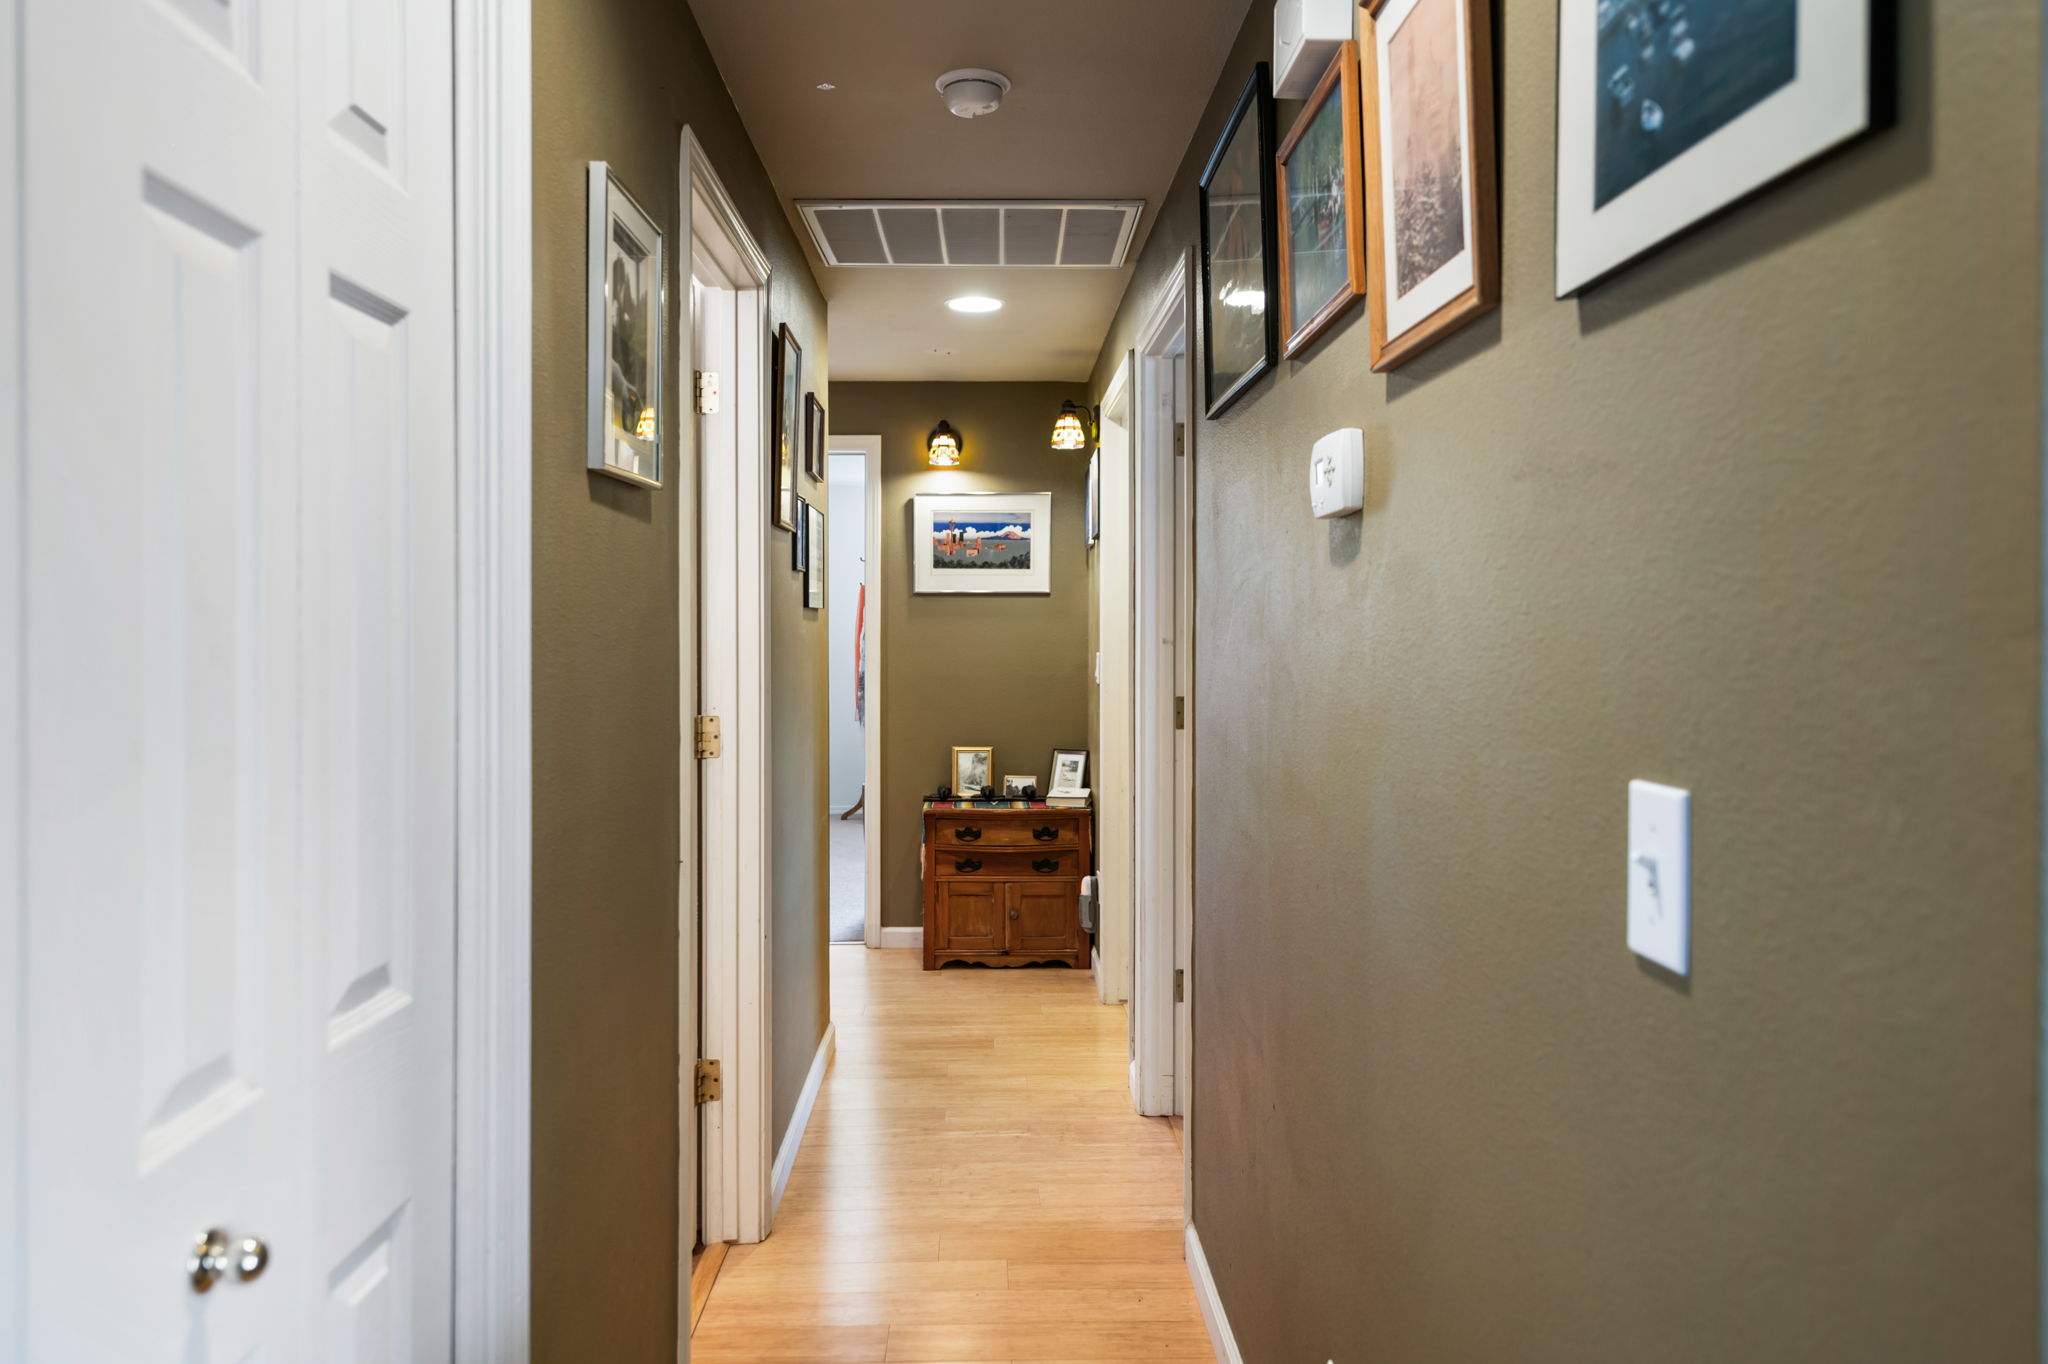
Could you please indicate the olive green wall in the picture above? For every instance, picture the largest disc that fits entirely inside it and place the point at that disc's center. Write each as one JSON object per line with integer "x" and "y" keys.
{"x": 616, "y": 80}
{"x": 1013, "y": 672}
{"x": 1759, "y": 518}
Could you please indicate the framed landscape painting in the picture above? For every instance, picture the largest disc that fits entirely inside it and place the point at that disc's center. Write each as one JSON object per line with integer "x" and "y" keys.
{"x": 1668, "y": 112}
{"x": 1322, "y": 205}
{"x": 1433, "y": 238}
{"x": 981, "y": 542}
{"x": 1240, "y": 254}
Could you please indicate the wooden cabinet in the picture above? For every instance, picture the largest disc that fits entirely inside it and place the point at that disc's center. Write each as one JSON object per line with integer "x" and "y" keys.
{"x": 1002, "y": 884}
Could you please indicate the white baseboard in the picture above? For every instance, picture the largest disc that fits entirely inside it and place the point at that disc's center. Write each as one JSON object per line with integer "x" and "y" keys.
{"x": 1225, "y": 1344}
{"x": 911, "y": 938}
{"x": 793, "y": 1139}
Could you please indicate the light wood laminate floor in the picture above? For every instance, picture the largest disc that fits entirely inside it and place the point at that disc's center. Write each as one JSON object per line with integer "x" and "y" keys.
{"x": 974, "y": 1186}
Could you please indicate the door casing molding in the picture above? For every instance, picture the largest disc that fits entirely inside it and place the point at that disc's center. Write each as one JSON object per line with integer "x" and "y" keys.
{"x": 733, "y": 1134}
{"x": 494, "y": 679}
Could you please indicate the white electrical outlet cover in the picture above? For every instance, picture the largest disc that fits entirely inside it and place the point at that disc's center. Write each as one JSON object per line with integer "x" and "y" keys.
{"x": 1660, "y": 875}
{"x": 1336, "y": 474}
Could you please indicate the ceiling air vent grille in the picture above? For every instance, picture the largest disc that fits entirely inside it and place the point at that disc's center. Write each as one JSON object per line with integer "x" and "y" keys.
{"x": 961, "y": 233}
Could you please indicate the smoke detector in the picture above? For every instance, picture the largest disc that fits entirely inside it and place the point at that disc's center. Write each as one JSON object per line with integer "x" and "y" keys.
{"x": 973, "y": 91}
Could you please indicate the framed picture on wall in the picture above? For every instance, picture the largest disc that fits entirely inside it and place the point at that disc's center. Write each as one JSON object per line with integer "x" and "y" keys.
{"x": 1322, "y": 206}
{"x": 627, "y": 294}
{"x": 815, "y": 438}
{"x": 981, "y": 543}
{"x": 1240, "y": 273}
{"x": 784, "y": 433}
{"x": 800, "y": 542}
{"x": 1668, "y": 113}
{"x": 1433, "y": 229}
{"x": 1094, "y": 512}
{"x": 814, "y": 558}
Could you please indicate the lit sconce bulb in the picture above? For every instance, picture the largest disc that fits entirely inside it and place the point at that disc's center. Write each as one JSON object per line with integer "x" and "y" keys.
{"x": 646, "y": 430}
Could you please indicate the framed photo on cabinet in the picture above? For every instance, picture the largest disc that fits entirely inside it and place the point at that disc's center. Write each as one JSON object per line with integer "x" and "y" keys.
{"x": 1433, "y": 231}
{"x": 973, "y": 770}
{"x": 1322, "y": 206}
{"x": 627, "y": 292}
{"x": 1240, "y": 255}
{"x": 785, "y": 434}
{"x": 981, "y": 543}
{"x": 1669, "y": 113}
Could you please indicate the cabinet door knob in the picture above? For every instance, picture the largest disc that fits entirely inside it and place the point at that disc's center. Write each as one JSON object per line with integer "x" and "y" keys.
{"x": 967, "y": 834}
{"x": 1046, "y": 864}
{"x": 209, "y": 1259}
{"x": 966, "y": 864}
{"x": 1046, "y": 834}
{"x": 1013, "y": 913}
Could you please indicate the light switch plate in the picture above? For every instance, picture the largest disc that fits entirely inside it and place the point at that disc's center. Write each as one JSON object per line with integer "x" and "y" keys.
{"x": 1660, "y": 875}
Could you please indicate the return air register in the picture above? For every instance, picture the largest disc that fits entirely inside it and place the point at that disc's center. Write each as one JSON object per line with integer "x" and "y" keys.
{"x": 956, "y": 233}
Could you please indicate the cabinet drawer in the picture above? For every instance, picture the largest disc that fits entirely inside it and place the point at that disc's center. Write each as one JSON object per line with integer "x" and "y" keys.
{"x": 969, "y": 832}
{"x": 1050, "y": 864}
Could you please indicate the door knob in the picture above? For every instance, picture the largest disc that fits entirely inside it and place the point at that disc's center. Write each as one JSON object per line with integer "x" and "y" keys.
{"x": 209, "y": 1259}
{"x": 1013, "y": 913}
{"x": 252, "y": 1257}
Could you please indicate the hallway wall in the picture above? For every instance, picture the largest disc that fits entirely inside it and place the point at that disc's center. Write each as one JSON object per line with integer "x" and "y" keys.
{"x": 1009, "y": 671}
{"x": 616, "y": 80}
{"x": 1760, "y": 518}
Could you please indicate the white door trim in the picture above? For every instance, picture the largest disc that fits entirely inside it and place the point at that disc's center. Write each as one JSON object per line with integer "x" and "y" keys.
{"x": 1155, "y": 553}
{"x": 871, "y": 738}
{"x": 494, "y": 824}
{"x": 13, "y": 541}
{"x": 737, "y": 1159}
{"x": 1114, "y": 764}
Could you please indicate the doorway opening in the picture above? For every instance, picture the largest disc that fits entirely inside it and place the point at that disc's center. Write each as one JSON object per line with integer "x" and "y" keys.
{"x": 848, "y": 606}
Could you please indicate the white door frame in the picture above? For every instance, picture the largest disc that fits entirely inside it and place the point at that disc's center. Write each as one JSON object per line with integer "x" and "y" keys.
{"x": 870, "y": 448}
{"x": 494, "y": 678}
{"x": 736, "y": 1160}
{"x": 1115, "y": 811}
{"x": 1156, "y": 551}
{"x": 13, "y": 538}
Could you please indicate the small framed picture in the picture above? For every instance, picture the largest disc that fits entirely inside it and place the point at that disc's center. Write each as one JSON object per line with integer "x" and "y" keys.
{"x": 628, "y": 302}
{"x": 800, "y": 542}
{"x": 981, "y": 542}
{"x": 1015, "y": 787}
{"x": 785, "y": 433}
{"x": 1322, "y": 206}
{"x": 1094, "y": 516}
{"x": 1434, "y": 229}
{"x": 1240, "y": 325}
{"x": 1069, "y": 771}
{"x": 1668, "y": 114}
{"x": 815, "y": 438}
{"x": 973, "y": 769}
{"x": 814, "y": 558}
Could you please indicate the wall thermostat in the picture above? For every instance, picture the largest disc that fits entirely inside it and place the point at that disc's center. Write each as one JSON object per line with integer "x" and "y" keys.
{"x": 1306, "y": 35}
{"x": 1336, "y": 474}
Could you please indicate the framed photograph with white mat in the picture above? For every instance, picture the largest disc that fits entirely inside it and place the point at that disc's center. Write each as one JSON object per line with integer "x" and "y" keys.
{"x": 1433, "y": 222}
{"x": 981, "y": 543}
{"x": 1669, "y": 113}
{"x": 627, "y": 294}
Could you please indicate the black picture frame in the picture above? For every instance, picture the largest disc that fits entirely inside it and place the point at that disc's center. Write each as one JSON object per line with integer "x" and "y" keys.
{"x": 815, "y": 438}
{"x": 800, "y": 541}
{"x": 1251, "y": 118}
{"x": 786, "y": 437}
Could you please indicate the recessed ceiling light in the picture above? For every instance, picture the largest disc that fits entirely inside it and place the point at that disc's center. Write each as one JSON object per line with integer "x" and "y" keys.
{"x": 975, "y": 303}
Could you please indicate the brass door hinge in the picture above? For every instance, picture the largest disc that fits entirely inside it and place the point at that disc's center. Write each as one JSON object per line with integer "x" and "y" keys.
{"x": 1180, "y": 986}
{"x": 709, "y": 1089}
{"x": 1180, "y": 712}
{"x": 709, "y": 745}
{"x": 707, "y": 392}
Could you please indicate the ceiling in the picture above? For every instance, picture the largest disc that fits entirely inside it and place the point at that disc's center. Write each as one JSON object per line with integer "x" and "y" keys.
{"x": 1106, "y": 95}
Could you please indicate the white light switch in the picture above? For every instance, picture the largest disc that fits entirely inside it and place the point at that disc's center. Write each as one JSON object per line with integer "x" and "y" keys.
{"x": 1660, "y": 875}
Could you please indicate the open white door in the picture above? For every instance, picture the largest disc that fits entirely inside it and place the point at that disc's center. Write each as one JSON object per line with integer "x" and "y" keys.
{"x": 240, "y": 633}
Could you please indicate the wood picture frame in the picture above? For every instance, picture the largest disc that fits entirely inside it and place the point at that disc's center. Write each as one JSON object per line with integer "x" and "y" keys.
{"x": 1320, "y": 183}
{"x": 784, "y": 435}
{"x": 1240, "y": 250}
{"x": 815, "y": 438}
{"x": 1432, "y": 251}
{"x": 971, "y": 776}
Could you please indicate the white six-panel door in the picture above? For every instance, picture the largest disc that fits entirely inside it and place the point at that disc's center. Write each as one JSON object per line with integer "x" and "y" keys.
{"x": 239, "y": 596}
